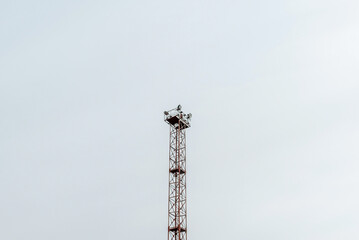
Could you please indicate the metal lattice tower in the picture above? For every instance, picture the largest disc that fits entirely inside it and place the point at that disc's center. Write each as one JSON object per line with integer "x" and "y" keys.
{"x": 177, "y": 195}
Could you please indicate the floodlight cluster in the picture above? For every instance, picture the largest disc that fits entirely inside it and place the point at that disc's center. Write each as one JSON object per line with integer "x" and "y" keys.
{"x": 179, "y": 114}
{"x": 178, "y": 111}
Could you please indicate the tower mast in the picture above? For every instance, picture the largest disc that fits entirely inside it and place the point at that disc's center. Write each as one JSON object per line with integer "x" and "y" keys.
{"x": 177, "y": 194}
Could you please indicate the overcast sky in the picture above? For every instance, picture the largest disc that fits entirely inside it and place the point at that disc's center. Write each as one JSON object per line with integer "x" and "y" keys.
{"x": 273, "y": 87}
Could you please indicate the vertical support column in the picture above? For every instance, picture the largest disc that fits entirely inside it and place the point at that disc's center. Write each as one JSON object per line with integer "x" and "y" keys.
{"x": 177, "y": 205}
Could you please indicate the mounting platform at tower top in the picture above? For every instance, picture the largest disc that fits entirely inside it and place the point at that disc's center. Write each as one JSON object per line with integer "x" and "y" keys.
{"x": 176, "y": 118}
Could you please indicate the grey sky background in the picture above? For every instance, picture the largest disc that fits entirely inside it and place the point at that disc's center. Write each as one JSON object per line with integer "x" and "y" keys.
{"x": 273, "y": 87}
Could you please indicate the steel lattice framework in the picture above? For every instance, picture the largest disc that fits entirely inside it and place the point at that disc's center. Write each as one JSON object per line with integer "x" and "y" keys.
{"x": 177, "y": 195}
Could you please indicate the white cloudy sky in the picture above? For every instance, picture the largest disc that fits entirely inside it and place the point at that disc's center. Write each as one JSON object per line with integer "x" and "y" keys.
{"x": 273, "y": 87}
